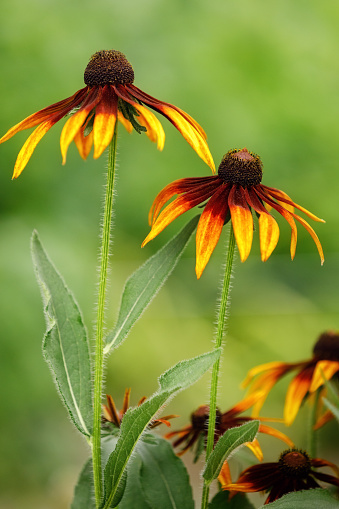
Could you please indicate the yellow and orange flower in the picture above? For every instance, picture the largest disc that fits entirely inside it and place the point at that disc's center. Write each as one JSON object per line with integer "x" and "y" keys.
{"x": 232, "y": 194}
{"x": 310, "y": 376}
{"x": 295, "y": 471}
{"x": 113, "y": 416}
{"x": 109, "y": 95}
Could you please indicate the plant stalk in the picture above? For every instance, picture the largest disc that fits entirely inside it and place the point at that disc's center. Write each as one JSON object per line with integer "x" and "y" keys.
{"x": 224, "y": 300}
{"x": 99, "y": 343}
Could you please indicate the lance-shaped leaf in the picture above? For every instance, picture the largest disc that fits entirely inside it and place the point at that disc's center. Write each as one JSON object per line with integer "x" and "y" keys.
{"x": 172, "y": 489}
{"x": 307, "y": 499}
{"x": 84, "y": 489}
{"x": 227, "y": 443}
{"x": 65, "y": 345}
{"x": 145, "y": 283}
{"x": 136, "y": 420}
{"x": 222, "y": 500}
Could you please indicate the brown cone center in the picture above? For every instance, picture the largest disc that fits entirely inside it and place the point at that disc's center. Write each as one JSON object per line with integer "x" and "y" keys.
{"x": 241, "y": 167}
{"x": 327, "y": 347}
{"x": 295, "y": 463}
{"x": 108, "y": 67}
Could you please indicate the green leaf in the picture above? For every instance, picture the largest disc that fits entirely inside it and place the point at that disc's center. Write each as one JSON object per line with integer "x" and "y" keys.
{"x": 172, "y": 489}
{"x": 136, "y": 420}
{"x": 227, "y": 443}
{"x": 145, "y": 283}
{"x": 239, "y": 501}
{"x": 332, "y": 408}
{"x": 84, "y": 490}
{"x": 306, "y": 499}
{"x": 133, "y": 489}
{"x": 65, "y": 345}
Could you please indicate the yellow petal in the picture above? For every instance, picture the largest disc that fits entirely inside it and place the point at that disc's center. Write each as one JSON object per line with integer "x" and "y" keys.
{"x": 324, "y": 370}
{"x": 269, "y": 235}
{"x": 126, "y": 123}
{"x": 83, "y": 143}
{"x": 104, "y": 121}
{"x": 256, "y": 449}
{"x": 154, "y": 128}
{"x": 242, "y": 222}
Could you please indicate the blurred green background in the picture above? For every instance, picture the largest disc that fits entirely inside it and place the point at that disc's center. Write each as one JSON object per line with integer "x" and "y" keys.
{"x": 258, "y": 74}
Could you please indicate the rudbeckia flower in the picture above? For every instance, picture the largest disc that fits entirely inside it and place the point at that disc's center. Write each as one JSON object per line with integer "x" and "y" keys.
{"x": 324, "y": 364}
{"x": 113, "y": 416}
{"x": 233, "y": 193}
{"x": 109, "y": 96}
{"x": 295, "y": 471}
{"x": 194, "y": 436}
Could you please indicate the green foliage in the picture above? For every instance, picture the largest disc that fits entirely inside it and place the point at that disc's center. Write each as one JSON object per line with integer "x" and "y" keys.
{"x": 144, "y": 284}
{"x": 228, "y": 443}
{"x": 307, "y": 499}
{"x": 135, "y": 421}
{"x": 65, "y": 345}
{"x": 222, "y": 501}
{"x": 84, "y": 491}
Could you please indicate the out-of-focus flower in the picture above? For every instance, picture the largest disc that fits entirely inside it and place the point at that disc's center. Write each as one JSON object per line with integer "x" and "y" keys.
{"x": 109, "y": 95}
{"x": 232, "y": 194}
{"x": 113, "y": 416}
{"x": 311, "y": 375}
{"x": 295, "y": 471}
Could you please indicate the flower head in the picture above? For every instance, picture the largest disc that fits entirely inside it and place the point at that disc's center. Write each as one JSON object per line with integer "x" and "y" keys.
{"x": 295, "y": 471}
{"x": 109, "y": 96}
{"x": 324, "y": 364}
{"x": 196, "y": 433}
{"x": 232, "y": 194}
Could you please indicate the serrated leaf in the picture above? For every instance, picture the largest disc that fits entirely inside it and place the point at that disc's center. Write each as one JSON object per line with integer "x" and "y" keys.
{"x": 172, "y": 489}
{"x": 65, "y": 345}
{"x": 306, "y": 499}
{"x": 144, "y": 284}
{"x": 136, "y": 420}
{"x": 332, "y": 408}
{"x": 84, "y": 489}
{"x": 222, "y": 501}
{"x": 227, "y": 443}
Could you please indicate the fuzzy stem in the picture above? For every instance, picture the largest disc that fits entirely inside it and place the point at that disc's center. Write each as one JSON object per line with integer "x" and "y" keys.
{"x": 99, "y": 356}
{"x": 218, "y": 343}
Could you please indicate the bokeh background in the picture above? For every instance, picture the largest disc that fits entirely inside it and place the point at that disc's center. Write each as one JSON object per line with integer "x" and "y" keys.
{"x": 258, "y": 74}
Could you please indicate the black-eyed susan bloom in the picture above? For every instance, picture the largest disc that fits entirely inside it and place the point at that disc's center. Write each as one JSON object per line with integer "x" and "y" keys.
{"x": 114, "y": 416}
{"x": 232, "y": 194}
{"x": 109, "y": 96}
{"x": 295, "y": 471}
{"x": 311, "y": 376}
{"x": 190, "y": 436}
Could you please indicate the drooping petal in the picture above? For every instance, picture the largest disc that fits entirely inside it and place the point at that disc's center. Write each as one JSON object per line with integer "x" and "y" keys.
{"x": 256, "y": 449}
{"x": 175, "y": 209}
{"x": 177, "y": 187}
{"x": 242, "y": 221}
{"x": 268, "y": 430}
{"x": 126, "y": 123}
{"x": 283, "y": 197}
{"x": 75, "y": 122}
{"x": 278, "y": 366}
{"x": 323, "y": 370}
{"x": 62, "y": 107}
{"x": 31, "y": 142}
{"x": 104, "y": 120}
{"x": 243, "y": 405}
{"x": 323, "y": 419}
{"x": 83, "y": 143}
{"x": 285, "y": 214}
{"x": 209, "y": 227}
{"x": 313, "y": 235}
{"x": 225, "y": 475}
{"x": 268, "y": 227}
{"x": 190, "y": 130}
{"x": 317, "y": 462}
{"x": 296, "y": 392}
{"x": 154, "y": 128}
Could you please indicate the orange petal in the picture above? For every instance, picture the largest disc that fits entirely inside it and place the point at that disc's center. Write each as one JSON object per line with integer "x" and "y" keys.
{"x": 268, "y": 430}
{"x": 126, "y": 401}
{"x": 154, "y": 128}
{"x": 289, "y": 204}
{"x": 30, "y": 144}
{"x": 244, "y": 404}
{"x": 209, "y": 228}
{"x": 296, "y": 392}
{"x": 175, "y": 209}
{"x": 256, "y": 449}
{"x": 83, "y": 143}
{"x": 313, "y": 235}
{"x": 75, "y": 122}
{"x": 323, "y": 419}
{"x": 104, "y": 120}
{"x": 324, "y": 370}
{"x": 269, "y": 235}
{"x": 126, "y": 123}
{"x": 269, "y": 366}
{"x": 45, "y": 114}
{"x": 242, "y": 221}
{"x": 225, "y": 474}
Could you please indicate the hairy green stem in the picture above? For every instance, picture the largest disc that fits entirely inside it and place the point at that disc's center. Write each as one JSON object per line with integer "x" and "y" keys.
{"x": 218, "y": 343}
{"x": 99, "y": 344}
